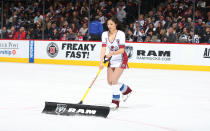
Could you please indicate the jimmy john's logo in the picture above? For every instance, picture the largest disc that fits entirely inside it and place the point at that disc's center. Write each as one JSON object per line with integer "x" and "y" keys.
{"x": 206, "y": 53}
{"x": 129, "y": 51}
{"x": 52, "y": 50}
{"x": 157, "y": 55}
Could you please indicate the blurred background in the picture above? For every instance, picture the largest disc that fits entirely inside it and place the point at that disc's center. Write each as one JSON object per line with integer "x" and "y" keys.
{"x": 180, "y": 21}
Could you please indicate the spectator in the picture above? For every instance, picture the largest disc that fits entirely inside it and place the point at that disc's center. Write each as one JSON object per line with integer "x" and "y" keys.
{"x": 179, "y": 28}
{"x": 63, "y": 27}
{"x": 38, "y": 31}
{"x": 130, "y": 9}
{"x": 109, "y": 6}
{"x": 142, "y": 35}
{"x": 102, "y": 18}
{"x": 203, "y": 31}
{"x": 121, "y": 14}
{"x": 102, "y": 3}
{"x": 188, "y": 24}
{"x": 4, "y": 32}
{"x": 159, "y": 27}
{"x": 148, "y": 39}
{"x": 131, "y": 27}
{"x": 76, "y": 22}
{"x": 61, "y": 22}
{"x": 84, "y": 10}
{"x": 38, "y": 17}
{"x": 201, "y": 4}
{"x": 150, "y": 28}
{"x": 193, "y": 38}
{"x": 21, "y": 34}
{"x": 171, "y": 37}
{"x": 168, "y": 23}
{"x": 11, "y": 33}
{"x": 177, "y": 14}
{"x": 71, "y": 35}
{"x": 74, "y": 28}
{"x": 208, "y": 23}
{"x": 53, "y": 26}
{"x": 198, "y": 16}
{"x": 47, "y": 31}
{"x": 136, "y": 33}
{"x": 151, "y": 16}
{"x": 150, "y": 36}
{"x": 162, "y": 21}
{"x": 112, "y": 12}
{"x": 55, "y": 35}
{"x": 84, "y": 31}
{"x": 162, "y": 36}
{"x": 79, "y": 36}
{"x": 129, "y": 36}
{"x": 184, "y": 37}
{"x": 129, "y": 32}
{"x": 141, "y": 20}
{"x": 30, "y": 34}
{"x": 207, "y": 35}
{"x": 200, "y": 28}
{"x": 95, "y": 29}
{"x": 84, "y": 20}
{"x": 75, "y": 18}
{"x": 148, "y": 22}
{"x": 64, "y": 37}
{"x": 174, "y": 26}
{"x": 190, "y": 38}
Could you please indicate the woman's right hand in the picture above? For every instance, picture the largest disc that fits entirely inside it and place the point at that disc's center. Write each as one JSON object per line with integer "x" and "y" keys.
{"x": 111, "y": 53}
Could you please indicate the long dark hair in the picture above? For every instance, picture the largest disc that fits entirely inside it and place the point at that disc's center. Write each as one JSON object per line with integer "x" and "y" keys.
{"x": 116, "y": 21}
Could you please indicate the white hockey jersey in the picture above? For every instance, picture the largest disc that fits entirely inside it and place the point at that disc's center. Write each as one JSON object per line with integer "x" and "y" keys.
{"x": 119, "y": 60}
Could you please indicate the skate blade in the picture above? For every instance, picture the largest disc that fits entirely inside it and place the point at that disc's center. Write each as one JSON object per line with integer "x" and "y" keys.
{"x": 124, "y": 100}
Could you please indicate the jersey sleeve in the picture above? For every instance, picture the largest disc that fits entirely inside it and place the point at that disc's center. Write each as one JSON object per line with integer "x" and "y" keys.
{"x": 103, "y": 39}
{"x": 122, "y": 40}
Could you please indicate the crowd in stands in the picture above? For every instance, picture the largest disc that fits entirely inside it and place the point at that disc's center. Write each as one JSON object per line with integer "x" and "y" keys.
{"x": 169, "y": 21}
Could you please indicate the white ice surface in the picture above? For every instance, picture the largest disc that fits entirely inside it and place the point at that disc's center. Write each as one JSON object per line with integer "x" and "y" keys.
{"x": 163, "y": 100}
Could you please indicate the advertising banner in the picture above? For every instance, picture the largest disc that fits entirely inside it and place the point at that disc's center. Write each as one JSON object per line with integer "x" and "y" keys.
{"x": 12, "y": 48}
{"x": 14, "y": 51}
{"x": 140, "y": 55}
{"x": 202, "y": 55}
{"x": 67, "y": 50}
{"x": 152, "y": 53}
{"x": 178, "y": 54}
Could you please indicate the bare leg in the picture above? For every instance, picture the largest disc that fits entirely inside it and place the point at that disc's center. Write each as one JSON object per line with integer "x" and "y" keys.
{"x": 116, "y": 75}
{"x": 113, "y": 75}
{"x": 110, "y": 72}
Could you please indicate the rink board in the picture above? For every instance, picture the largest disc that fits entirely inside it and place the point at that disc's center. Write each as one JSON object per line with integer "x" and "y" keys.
{"x": 14, "y": 51}
{"x": 176, "y": 56}
{"x": 141, "y": 55}
{"x": 130, "y": 65}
